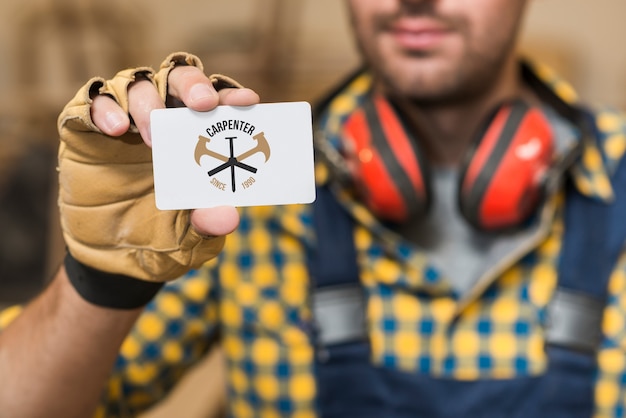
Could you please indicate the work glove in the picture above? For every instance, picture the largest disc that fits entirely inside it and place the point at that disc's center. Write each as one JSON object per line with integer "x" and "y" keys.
{"x": 107, "y": 206}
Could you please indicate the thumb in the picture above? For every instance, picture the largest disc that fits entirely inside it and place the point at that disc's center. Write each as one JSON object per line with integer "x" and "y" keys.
{"x": 217, "y": 221}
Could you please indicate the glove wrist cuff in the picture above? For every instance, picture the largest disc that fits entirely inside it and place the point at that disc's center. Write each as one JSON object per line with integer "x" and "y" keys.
{"x": 109, "y": 290}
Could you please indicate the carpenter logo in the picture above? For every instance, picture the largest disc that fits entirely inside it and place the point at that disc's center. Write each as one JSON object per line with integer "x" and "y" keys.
{"x": 232, "y": 168}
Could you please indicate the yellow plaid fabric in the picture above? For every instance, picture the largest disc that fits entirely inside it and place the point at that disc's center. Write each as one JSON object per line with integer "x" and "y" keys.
{"x": 254, "y": 300}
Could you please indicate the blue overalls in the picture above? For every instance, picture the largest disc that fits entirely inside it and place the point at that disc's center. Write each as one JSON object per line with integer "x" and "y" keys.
{"x": 350, "y": 386}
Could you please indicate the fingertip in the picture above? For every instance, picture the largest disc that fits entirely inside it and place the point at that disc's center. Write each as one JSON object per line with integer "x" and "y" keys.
{"x": 108, "y": 116}
{"x": 239, "y": 97}
{"x": 202, "y": 96}
{"x": 249, "y": 94}
{"x": 146, "y": 134}
{"x": 117, "y": 122}
{"x": 217, "y": 221}
{"x": 192, "y": 87}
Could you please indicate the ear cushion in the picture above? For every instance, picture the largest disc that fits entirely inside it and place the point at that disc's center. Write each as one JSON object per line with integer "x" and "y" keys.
{"x": 388, "y": 167}
{"x": 501, "y": 182}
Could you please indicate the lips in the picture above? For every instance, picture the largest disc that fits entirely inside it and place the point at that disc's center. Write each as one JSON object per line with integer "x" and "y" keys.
{"x": 419, "y": 34}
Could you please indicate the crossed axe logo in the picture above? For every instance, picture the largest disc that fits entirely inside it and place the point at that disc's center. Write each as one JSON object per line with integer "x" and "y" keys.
{"x": 231, "y": 161}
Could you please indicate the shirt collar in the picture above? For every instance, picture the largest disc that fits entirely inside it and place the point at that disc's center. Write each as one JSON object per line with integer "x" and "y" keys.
{"x": 591, "y": 171}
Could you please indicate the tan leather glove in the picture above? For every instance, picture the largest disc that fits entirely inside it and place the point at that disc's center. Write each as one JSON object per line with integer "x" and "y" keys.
{"x": 108, "y": 213}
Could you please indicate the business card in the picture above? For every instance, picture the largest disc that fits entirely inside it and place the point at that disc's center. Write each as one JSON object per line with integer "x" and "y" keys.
{"x": 233, "y": 155}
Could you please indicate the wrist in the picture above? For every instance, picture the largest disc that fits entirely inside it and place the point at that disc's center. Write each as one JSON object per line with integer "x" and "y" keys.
{"x": 109, "y": 290}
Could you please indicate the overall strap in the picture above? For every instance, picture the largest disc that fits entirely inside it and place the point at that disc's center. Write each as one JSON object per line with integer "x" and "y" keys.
{"x": 574, "y": 315}
{"x": 337, "y": 296}
{"x": 591, "y": 243}
{"x": 333, "y": 260}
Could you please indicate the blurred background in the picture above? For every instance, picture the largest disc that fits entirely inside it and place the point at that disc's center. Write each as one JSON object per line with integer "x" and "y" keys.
{"x": 285, "y": 49}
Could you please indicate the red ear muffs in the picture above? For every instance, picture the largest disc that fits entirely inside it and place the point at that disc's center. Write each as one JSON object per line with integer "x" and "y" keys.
{"x": 389, "y": 173}
{"x": 501, "y": 182}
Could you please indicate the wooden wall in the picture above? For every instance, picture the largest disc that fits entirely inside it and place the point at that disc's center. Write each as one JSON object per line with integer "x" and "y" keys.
{"x": 305, "y": 42}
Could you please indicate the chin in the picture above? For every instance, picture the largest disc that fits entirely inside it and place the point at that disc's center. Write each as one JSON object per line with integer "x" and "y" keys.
{"x": 420, "y": 87}
{"x": 416, "y": 74}
{"x": 429, "y": 80}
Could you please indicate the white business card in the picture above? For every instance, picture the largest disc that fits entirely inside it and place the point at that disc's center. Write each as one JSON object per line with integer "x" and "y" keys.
{"x": 233, "y": 155}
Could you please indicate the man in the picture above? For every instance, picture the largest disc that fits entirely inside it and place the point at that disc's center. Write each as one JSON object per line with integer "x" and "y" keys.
{"x": 455, "y": 194}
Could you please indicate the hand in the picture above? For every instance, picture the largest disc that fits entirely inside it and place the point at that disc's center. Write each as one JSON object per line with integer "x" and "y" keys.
{"x": 192, "y": 88}
{"x": 108, "y": 212}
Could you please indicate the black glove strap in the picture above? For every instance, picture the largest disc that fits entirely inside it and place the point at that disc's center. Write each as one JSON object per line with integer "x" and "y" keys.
{"x": 109, "y": 290}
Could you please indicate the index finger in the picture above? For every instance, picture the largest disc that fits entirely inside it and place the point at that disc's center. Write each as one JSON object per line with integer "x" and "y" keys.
{"x": 193, "y": 88}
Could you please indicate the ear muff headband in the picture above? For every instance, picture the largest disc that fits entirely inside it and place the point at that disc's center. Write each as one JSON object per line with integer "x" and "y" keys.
{"x": 389, "y": 172}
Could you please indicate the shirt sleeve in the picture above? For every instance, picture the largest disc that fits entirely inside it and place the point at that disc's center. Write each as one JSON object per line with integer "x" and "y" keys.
{"x": 174, "y": 332}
